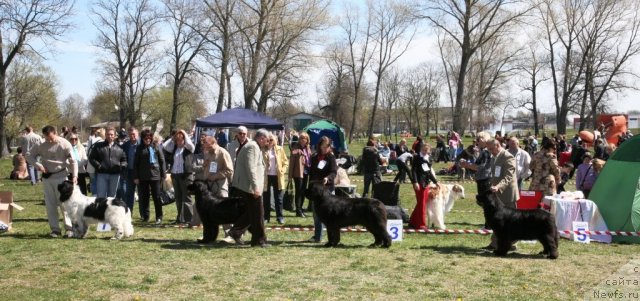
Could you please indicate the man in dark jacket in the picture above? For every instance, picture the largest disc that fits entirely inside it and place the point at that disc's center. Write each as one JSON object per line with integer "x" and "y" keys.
{"x": 129, "y": 148}
{"x": 370, "y": 165}
{"x": 109, "y": 161}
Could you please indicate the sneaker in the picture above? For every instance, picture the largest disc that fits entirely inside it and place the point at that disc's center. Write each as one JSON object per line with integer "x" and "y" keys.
{"x": 68, "y": 234}
{"x": 158, "y": 222}
{"x": 54, "y": 234}
{"x": 281, "y": 221}
{"x": 229, "y": 240}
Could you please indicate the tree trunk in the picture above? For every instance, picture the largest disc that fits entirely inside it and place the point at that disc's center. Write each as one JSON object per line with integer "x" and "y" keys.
{"x": 458, "y": 115}
{"x": 3, "y": 105}
{"x": 375, "y": 104}
{"x": 222, "y": 84}
{"x": 175, "y": 105}
{"x": 353, "y": 115}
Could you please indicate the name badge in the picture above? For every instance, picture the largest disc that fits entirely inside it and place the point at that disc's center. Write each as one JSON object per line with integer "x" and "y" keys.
{"x": 322, "y": 164}
{"x": 213, "y": 167}
{"x": 496, "y": 171}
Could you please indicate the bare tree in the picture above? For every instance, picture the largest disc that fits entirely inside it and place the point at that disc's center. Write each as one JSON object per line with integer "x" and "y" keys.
{"x": 392, "y": 34}
{"x": 188, "y": 26}
{"x": 273, "y": 41}
{"x": 22, "y": 23}
{"x": 420, "y": 96}
{"x": 360, "y": 55}
{"x": 608, "y": 42}
{"x": 338, "y": 91}
{"x": 563, "y": 23}
{"x": 471, "y": 24}
{"x": 128, "y": 31}
{"x": 220, "y": 15}
{"x": 532, "y": 67}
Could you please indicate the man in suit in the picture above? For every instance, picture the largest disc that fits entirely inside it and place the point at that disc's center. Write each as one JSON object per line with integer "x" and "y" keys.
{"x": 504, "y": 184}
{"x": 248, "y": 183}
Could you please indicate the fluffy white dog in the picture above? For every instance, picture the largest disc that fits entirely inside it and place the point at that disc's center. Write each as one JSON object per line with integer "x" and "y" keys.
{"x": 441, "y": 200}
{"x": 85, "y": 210}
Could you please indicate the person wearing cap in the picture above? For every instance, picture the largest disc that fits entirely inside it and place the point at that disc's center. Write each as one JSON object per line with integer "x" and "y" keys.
{"x": 586, "y": 175}
{"x": 56, "y": 164}
{"x": 27, "y": 142}
{"x": 240, "y": 140}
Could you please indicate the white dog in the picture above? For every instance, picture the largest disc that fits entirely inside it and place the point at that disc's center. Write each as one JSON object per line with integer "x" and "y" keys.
{"x": 84, "y": 210}
{"x": 441, "y": 200}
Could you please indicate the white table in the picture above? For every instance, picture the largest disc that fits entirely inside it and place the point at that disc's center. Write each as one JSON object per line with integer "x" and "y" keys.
{"x": 566, "y": 211}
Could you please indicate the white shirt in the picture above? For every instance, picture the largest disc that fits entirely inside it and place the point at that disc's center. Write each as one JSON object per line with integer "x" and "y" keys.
{"x": 523, "y": 159}
{"x": 404, "y": 157}
{"x": 273, "y": 171}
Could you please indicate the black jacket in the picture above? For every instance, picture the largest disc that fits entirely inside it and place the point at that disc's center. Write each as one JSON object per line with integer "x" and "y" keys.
{"x": 143, "y": 169}
{"x": 329, "y": 171}
{"x": 105, "y": 159}
{"x": 418, "y": 174}
{"x": 370, "y": 160}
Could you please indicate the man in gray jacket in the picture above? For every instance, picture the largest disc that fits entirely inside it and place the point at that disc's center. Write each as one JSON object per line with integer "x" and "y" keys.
{"x": 56, "y": 161}
{"x": 248, "y": 181}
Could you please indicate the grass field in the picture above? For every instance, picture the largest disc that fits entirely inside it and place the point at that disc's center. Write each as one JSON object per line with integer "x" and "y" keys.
{"x": 166, "y": 264}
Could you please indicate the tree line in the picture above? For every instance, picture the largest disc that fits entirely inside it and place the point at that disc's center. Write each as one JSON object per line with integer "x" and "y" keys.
{"x": 159, "y": 58}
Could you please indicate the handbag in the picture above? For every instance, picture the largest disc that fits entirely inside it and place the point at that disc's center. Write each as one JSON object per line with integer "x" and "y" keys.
{"x": 167, "y": 195}
{"x": 287, "y": 200}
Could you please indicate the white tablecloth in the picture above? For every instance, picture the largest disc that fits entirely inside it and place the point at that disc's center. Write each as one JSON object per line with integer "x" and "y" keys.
{"x": 567, "y": 211}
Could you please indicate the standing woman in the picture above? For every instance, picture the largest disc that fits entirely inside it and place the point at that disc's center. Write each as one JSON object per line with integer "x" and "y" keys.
{"x": 482, "y": 165}
{"x": 148, "y": 173}
{"x": 421, "y": 177}
{"x": 181, "y": 163}
{"x": 299, "y": 169}
{"x": 546, "y": 172}
{"x": 324, "y": 170}
{"x": 276, "y": 164}
{"x": 80, "y": 155}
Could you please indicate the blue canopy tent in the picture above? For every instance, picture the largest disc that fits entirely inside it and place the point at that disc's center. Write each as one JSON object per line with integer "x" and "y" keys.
{"x": 232, "y": 118}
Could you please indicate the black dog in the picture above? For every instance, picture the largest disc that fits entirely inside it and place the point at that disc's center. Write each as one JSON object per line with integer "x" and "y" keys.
{"x": 510, "y": 225}
{"x": 336, "y": 212}
{"x": 214, "y": 211}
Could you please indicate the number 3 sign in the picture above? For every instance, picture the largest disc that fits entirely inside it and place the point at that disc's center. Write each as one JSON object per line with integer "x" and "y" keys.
{"x": 394, "y": 227}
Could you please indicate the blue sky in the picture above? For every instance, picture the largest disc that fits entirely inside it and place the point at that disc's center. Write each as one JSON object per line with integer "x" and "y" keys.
{"x": 74, "y": 62}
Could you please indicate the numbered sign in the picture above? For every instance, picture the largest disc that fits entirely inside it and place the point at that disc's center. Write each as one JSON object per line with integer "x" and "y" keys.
{"x": 103, "y": 227}
{"x": 581, "y": 226}
{"x": 394, "y": 227}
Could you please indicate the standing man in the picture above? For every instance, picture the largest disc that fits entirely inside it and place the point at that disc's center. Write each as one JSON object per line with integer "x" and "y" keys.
{"x": 56, "y": 160}
{"x": 129, "y": 149}
{"x": 523, "y": 159}
{"x": 504, "y": 185}
{"x": 109, "y": 161}
{"x": 370, "y": 165}
{"x": 217, "y": 171}
{"x": 239, "y": 142}
{"x": 28, "y": 142}
{"x": 221, "y": 137}
{"x": 248, "y": 181}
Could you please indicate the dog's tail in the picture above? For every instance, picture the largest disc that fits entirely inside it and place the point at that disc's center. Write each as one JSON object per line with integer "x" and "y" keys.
{"x": 128, "y": 225}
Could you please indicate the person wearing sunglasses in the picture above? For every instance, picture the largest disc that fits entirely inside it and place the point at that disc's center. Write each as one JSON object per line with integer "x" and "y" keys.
{"x": 148, "y": 173}
{"x": 80, "y": 155}
{"x": 277, "y": 163}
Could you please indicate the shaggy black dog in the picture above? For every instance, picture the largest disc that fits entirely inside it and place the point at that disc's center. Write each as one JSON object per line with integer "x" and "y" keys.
{"x": 510, "y": 225}
{"x": 336, "y": 212}
{"x": 214, "y": 211}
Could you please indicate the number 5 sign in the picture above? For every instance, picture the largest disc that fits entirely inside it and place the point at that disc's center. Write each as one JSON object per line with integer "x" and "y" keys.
{"x": 581, "y": 226}
{"x": 394, "y": 227}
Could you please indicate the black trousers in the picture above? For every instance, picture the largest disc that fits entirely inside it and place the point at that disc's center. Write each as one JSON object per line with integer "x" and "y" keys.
{"x": 145, "y": 188}
{"x": 250, "y": 220}
{"x": 272, "y": 182}
{"x": 300, "y": 187}
{"x": 403, "y": 170}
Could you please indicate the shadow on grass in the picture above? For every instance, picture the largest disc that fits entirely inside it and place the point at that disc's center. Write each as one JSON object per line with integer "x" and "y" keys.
{"x": 478, "y": 252}
{"x": 35, "y": 219}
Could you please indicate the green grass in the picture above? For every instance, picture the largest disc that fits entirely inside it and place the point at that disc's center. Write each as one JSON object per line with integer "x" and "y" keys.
{"x": 167, "y": 264}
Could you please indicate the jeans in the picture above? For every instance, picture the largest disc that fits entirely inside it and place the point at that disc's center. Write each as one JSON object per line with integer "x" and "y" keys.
{"x": 107, "y": 184}
{"x": 129, "y": 190}
{"x": 272, "y": 183}
{"x": 33, "y": 173}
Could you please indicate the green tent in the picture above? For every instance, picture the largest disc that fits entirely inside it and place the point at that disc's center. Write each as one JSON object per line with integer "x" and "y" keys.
{"x": 330, "y": 129}
{"x": 617, "y": 190}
